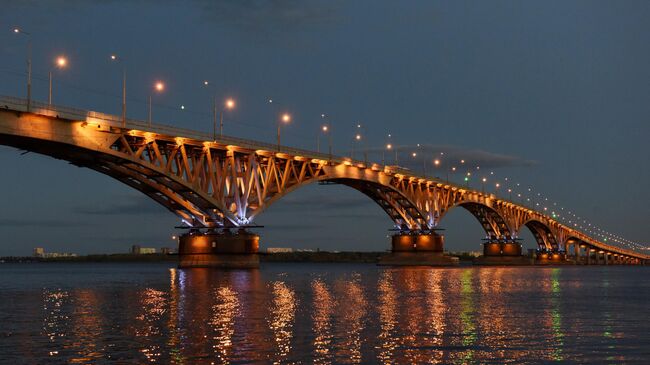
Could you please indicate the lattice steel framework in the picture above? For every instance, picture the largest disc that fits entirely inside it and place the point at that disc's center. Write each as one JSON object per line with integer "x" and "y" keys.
{"x": 229, "y": 182}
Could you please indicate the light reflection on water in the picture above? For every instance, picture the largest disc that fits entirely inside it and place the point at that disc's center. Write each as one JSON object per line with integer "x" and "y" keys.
{"x": 324, "y": 314}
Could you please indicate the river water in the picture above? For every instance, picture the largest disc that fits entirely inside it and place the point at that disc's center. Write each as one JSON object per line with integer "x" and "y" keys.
{"x": 137, "y": 313}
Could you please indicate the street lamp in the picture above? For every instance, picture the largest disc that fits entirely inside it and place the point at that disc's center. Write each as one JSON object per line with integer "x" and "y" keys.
{"x": 284, "y": 118}
{"x": 228, "y": 105}
{"x": 158, "y": 87}
{"x": 60, "y": 62}
{"x": 357, "y": 137}
{"x": 29, "y": 65}
{"x": 114, "y": 58}
{"x": 484, "y": 180}
{"x": 325, "y": 128}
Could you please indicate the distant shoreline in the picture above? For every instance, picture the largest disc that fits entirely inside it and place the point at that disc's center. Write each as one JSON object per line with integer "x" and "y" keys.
{"x": 320, "y": 256}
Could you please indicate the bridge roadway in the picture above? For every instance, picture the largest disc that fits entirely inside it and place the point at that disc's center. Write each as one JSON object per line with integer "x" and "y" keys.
{"x": 218, "y": 187}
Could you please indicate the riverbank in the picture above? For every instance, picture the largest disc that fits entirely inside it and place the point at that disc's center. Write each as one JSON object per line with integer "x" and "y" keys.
{"x": 321, "y": 256}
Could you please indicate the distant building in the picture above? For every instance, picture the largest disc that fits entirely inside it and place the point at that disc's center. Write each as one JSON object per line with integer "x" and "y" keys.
{"x": 278, "y": 249}
{"x": 60, "y": 254}
{"x": 137, "y": 250}
{"x": 40, "y": 252}
{"x": 166, "y": 250}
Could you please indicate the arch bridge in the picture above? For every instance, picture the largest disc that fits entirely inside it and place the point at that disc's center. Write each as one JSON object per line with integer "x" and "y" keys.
{"x": 219, "y": 186}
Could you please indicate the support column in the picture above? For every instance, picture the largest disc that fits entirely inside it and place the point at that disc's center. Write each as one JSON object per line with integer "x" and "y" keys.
{"x": 219, "y": 249}
{"x": 502, "y": 253}
{"x": 606, "y": 254}
{"x": 576, "y": 250}
{"x": 418, "y": 249}
{"x": 588, "y": 255}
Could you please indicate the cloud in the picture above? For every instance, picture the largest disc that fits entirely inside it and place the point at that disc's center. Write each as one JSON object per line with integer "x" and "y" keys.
{"x": 132, "y": 204}
{"x": 41, "y": 223}
{"x": 264, "y": 16}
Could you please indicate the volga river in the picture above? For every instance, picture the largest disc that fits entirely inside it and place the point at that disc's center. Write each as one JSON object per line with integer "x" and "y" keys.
{"x": 322, "y": 313}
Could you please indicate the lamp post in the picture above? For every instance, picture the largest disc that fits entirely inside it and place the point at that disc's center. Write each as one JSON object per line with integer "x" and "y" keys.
{"x": 228, "y": 105}
{"x": 453, "y": 169}
{"x": 29, "y": 65}
{"x": 284, "y": 118}
{"x": 436, "y": 164}
{"x": 114, "y": 58}
{"x": 325, "y": 128}
{"x": 158, "y": 87}
{"x": 61, "y": 62}
{"x": 389, "y": 146}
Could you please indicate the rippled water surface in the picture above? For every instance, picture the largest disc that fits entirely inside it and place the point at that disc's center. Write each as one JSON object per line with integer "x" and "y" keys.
{"x": 322, "y": 313}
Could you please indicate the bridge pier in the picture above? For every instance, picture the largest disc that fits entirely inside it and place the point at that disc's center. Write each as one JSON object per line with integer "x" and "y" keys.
{"x": 417, "y": 249}
{"x": 502, "y": 253}
{"x": 219, "y": 249}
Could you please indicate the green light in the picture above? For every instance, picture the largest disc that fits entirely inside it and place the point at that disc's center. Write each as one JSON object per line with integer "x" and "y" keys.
{"x": 466, "y": 178}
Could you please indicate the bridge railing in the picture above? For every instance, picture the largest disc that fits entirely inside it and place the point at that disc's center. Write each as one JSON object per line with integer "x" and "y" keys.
{"x": 116, "y": 121}
{"x": 38, "y": 107}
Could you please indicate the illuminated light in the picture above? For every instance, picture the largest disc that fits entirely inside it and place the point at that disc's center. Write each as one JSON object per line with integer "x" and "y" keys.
{"x": 414, "y": 154}
{"x": 206, "y": 83}
{"x": 389, "y": 146}
{"x": 61, "y": 62}
{"x": 286, "y": 117}
{"x": 325, "y": 128}
{"x": 182, "y": 107}
{"x": 357, "y": 137}
{"x": 462, "y": 161}
{"x": 497, "y": 185}
{"x": 159, "y": 86}
{"x": 484, "y": 179}
{"x": 16, "y": 30}
{"x": 113, "y": 57}
{"x": 230, "y": 104}
{"x": 453, "y": 169}
{"x": 466, "y": 178}
{"x": 436, "y": 162}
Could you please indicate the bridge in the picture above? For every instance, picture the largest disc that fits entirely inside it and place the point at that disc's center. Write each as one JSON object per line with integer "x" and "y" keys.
{"x": 218, "y": 187}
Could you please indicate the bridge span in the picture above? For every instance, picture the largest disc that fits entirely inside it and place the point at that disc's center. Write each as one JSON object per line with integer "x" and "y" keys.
{"x": 218, "y": 187}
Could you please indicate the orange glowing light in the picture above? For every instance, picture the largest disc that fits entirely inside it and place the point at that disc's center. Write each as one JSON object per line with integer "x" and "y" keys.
{"x": 286, "y": 117}
{"x": 159, "y": 86}
{"x": 61, "y": 62}
{"x": 230, "y": 104}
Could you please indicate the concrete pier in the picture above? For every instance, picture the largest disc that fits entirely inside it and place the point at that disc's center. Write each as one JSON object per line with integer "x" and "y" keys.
{"x": 502, "y": 253}
{"x": 417, "y": 249}
{"x": 219, "y": 249}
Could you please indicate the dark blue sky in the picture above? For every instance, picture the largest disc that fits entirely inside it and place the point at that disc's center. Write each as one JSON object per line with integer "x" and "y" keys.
{"x": 552, "y": 94}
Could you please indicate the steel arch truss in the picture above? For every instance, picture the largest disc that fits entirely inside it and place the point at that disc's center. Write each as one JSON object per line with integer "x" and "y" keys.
{"x": 543, "y": 235}
{"x": 494, "y": 225}
{"x": 212, "y": 184}
{"x": 220, "y": 186}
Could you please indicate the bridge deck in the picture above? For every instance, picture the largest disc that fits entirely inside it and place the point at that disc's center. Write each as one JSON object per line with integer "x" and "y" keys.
{"x": 116, "y": 123}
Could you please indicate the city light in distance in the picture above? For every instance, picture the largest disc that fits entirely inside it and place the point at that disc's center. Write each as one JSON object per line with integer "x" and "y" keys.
{"x": 230, "y": 104}
{"x": 286, "y": 117}
{"x": 159, "y": 86}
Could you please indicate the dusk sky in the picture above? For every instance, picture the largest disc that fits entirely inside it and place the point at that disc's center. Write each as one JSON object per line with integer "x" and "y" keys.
{"x": 554, "y": 95}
